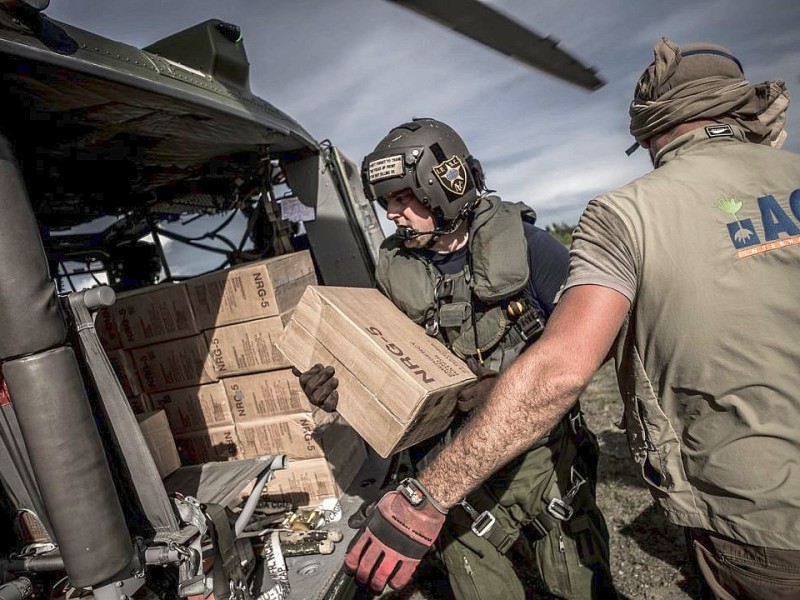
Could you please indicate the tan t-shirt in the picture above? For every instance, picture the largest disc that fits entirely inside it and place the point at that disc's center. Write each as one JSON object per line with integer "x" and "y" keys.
{"x": 603, "y": 252}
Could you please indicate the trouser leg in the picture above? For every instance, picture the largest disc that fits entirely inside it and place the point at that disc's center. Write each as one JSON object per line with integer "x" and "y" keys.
{"x": 571, "y": 558}
{"x": 736, "y": 571}
{"x": 475, "y": 569}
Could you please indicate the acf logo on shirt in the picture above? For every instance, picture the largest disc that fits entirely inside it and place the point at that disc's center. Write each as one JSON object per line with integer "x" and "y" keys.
{"x": 778, "y": 225}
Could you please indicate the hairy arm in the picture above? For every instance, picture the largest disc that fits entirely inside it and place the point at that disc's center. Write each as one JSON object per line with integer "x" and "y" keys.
{"x": 533, "y": 394}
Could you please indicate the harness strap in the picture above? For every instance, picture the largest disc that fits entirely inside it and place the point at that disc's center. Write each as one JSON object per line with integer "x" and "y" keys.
{"x": 555, "y": 507}
{"x": 225, "y": 545}
{"x": 145, "y": 477}
{"x": 485, "y": 525}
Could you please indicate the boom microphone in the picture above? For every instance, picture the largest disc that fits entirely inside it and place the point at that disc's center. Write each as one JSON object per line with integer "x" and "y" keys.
{"x": 406, "y": 233}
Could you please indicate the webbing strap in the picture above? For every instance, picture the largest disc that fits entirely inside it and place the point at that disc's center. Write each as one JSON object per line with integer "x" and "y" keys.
{"x": 226, "y": 551}
{"x": 143, "y": 471}
{"x": 555, "y": 507}
{"x": 500, "y": 539}
{"x": 192, "y": 578}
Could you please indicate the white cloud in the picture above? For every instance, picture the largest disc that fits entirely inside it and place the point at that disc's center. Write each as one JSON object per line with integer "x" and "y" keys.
{"x": 350, "y": 70}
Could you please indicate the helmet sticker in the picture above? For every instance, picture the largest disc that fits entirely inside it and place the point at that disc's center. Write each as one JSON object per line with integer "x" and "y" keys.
{"x": 383, "y": 168}
{"x": 452, "y": 175}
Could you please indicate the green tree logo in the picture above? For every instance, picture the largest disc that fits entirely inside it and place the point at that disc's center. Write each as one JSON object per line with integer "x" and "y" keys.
{"x": 731, "y": 206}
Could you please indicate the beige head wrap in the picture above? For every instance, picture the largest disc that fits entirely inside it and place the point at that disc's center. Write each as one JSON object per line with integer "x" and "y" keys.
{"x": 705, "y": 81}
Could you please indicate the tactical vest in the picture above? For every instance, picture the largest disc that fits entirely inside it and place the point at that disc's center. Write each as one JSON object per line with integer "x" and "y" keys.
{"x": 709, "y": 373}
{"x": 482, "y": 310}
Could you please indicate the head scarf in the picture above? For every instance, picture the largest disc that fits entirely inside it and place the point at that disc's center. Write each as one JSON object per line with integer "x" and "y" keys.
{"x": 705, "y": 81}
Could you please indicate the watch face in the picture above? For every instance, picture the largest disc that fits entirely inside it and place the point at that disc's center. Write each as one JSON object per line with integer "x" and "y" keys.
{"x": 412, "y": 493}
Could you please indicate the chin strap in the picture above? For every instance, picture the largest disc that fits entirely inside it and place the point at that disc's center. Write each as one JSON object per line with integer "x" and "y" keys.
{"x": 446, "y": 228}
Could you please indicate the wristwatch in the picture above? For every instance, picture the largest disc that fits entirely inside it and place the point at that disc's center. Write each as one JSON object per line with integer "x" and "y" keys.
{"x": 411, "y": 489}
{"x": 416, "y": 494}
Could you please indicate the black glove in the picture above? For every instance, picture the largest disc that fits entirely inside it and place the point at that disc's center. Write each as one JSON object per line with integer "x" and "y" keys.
{"x": 358, "y": 518}
{"x": 475, "y": 393}
{"x": 319, "y": 386}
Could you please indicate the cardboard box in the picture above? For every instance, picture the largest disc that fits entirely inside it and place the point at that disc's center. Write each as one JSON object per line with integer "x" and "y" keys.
{"x": 246, "y": 347}
{"x": 195, "y": 408}
{"x": 261, "y": 395}
{"x": 397, "y": 385}
{"x": 300, "y": 436}
{"x": 212, "y": 445}
{"x": 176, "y": 364}
{"x": 159, "y": 440}
{"x": 125, "y": 370}
{"x": 140, "y": 404}
{"x": 254, "y": 290}
{"x": 309, "y": 482}
{"x": 153, "y": 314}
{"x": 106, "y": 329}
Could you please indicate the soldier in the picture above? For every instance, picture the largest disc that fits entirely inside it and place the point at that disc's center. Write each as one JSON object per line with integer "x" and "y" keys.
{"x": 689, "y": 275}
{"x": 476, "y": 272}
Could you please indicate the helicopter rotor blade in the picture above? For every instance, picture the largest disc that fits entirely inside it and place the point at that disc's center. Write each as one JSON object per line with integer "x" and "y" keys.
{"x": 486, "y": 25}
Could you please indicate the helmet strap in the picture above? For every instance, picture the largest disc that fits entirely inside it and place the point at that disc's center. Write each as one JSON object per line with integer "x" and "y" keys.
{"x": 446, "y": 228}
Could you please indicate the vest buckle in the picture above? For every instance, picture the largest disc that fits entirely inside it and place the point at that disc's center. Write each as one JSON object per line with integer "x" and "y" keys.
{"x": 529, "y": 325}
{"x": 432, "y": 327}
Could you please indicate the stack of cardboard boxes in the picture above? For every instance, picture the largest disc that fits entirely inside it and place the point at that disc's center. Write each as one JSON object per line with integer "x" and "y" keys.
{"x": 203, "y": 351}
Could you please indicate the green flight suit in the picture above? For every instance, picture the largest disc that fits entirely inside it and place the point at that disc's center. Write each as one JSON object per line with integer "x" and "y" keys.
{"x": 530, "y": 550}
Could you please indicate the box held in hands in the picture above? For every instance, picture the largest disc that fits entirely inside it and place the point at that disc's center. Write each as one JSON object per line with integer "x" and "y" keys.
{"x": 397, "y": 385}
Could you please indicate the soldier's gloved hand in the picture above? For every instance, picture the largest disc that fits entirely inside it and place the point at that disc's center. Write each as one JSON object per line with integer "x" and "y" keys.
{"x": 319, "y": 386}
{"x": 397, "y": 534}
{"x": 475, "y": 393}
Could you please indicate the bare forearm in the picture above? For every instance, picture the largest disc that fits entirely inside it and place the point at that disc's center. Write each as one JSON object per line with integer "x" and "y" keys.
{"x": 527, "y": 402}
{"x": 533, "y": 394}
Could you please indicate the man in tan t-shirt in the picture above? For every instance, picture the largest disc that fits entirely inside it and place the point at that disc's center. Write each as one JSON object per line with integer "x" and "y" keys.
{"x": 688, "y": 277}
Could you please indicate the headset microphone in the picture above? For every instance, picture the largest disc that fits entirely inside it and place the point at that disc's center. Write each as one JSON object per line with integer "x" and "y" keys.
{"x": 407, "y": 233}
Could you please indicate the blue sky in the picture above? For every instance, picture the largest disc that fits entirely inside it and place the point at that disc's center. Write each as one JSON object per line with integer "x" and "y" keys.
{"x": 349, "y": 70}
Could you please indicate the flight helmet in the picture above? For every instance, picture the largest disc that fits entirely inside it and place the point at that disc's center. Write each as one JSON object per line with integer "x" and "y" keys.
{"x": 429, "y": 158}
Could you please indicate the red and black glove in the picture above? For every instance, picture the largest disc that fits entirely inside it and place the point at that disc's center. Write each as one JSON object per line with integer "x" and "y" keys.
{"x": 319, "y": 386}
{"x": 475, "y": 393}
{"x": 398, "y": 532}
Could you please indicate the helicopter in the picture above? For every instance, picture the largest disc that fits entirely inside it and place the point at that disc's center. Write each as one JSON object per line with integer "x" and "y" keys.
{"x": 94, "y": 129}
